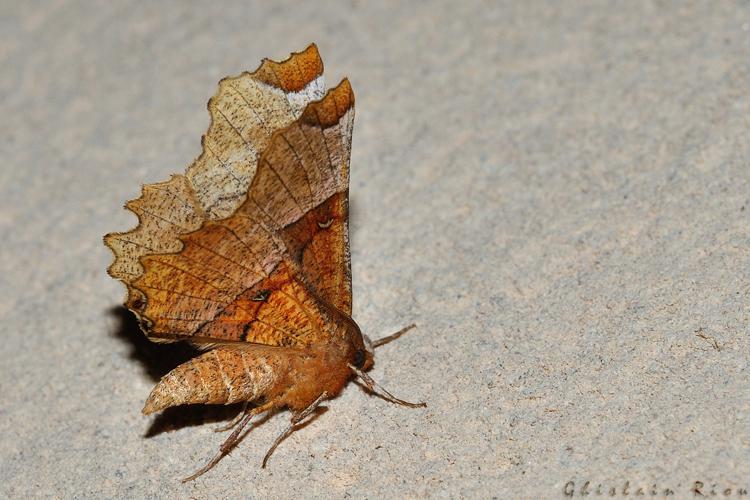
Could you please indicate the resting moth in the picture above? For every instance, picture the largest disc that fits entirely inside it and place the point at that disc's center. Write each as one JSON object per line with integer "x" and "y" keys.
{"x": 246, "y": 254}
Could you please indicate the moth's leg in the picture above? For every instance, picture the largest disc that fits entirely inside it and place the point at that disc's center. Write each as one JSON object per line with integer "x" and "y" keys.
{"x": 394, "y": 336}
{"x": 235, "y": 420}
{"x": 372, "y": 385}
{"x": 231, "y": 441}
{"x": 296, "y": 419}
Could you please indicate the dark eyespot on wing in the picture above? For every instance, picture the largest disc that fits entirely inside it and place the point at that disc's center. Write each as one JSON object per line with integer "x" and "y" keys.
{"x": 245, "y": 330}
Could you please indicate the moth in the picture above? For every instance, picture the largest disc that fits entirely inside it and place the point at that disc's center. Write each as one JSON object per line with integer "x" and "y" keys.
{"x": 246, "y": 254}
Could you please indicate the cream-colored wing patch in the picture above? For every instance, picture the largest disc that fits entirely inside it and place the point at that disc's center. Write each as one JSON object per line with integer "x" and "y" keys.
{"x": 244, "y": 277}
{"x": 245, "y": 112}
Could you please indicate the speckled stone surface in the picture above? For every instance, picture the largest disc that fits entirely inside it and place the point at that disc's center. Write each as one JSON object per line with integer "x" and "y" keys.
{"x": 556, "y": 192}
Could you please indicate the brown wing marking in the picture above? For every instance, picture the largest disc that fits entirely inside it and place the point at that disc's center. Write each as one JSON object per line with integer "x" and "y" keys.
{"x": 216, "y": 264}
{"x": 277, "y": 311}
{"x": 310, "y": 164}
{"x": 225, "y": 260}
{"x": 293, "y": 74}
{"x": 245, "y": 112}
{"x": 165, "y": 210}
{"x": 320, "y": 242}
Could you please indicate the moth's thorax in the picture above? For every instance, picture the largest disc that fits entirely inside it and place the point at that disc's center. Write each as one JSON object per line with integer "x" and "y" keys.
{"x": 354, "y": 348}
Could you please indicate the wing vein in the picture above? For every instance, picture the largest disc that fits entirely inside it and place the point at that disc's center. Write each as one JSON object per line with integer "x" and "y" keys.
{"x": 325, "y": 143}
{"x": 210, "y": 268}
{"x": 271, "y": 235}
{"x": 174, "y": 292}
{"x": 257, "y": 259}
{"x": 174, "y": 196}
{"x": 301, "y": 166}
{"x": 222, "y": 256}
{"x": 223, "y": 164}
{"x": 233, "y": 127}
{"x": 304, "y": 310}
{"x": 125, "y": 240}
{"x": 184, "y": 229}
{"x": 291, "y": 195}
{"x": 189, "y": 274}
{"x": 252, "y": 109}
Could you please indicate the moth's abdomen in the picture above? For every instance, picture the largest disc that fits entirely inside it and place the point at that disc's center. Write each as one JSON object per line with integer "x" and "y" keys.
{"x": 220, "y": 376}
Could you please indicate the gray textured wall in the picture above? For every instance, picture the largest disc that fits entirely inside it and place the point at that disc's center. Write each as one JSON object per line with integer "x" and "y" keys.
{"x": 556, "y": 192}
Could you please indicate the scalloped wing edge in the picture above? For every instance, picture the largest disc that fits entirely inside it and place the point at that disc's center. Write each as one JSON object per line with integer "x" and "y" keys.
{"x": 315, "y": 112}
{"x": 292, "y": 75}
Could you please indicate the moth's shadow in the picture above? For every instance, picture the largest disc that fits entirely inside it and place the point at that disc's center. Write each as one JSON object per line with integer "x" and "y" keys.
{"x": 158, "y": 360}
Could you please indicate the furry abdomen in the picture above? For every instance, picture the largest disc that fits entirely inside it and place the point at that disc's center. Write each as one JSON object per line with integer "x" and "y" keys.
{"x": 220, "y": 376}
{"x": 288, "y": 378}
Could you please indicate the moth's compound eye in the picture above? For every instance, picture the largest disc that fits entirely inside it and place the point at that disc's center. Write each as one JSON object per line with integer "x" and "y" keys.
{"x": 359, "y": 358}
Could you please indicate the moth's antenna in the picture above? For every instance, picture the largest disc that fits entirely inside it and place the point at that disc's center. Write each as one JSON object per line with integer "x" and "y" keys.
{"x": 372, "y": 385}
{"x": 394, "y": 336}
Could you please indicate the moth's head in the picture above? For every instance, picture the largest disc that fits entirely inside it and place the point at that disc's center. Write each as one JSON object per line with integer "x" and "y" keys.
{"x": 360, "y": 352}
{"x": 364, "y": 357}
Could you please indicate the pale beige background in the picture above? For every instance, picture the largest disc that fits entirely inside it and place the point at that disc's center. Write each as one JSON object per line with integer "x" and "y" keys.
{"x": 557, "y": 192}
